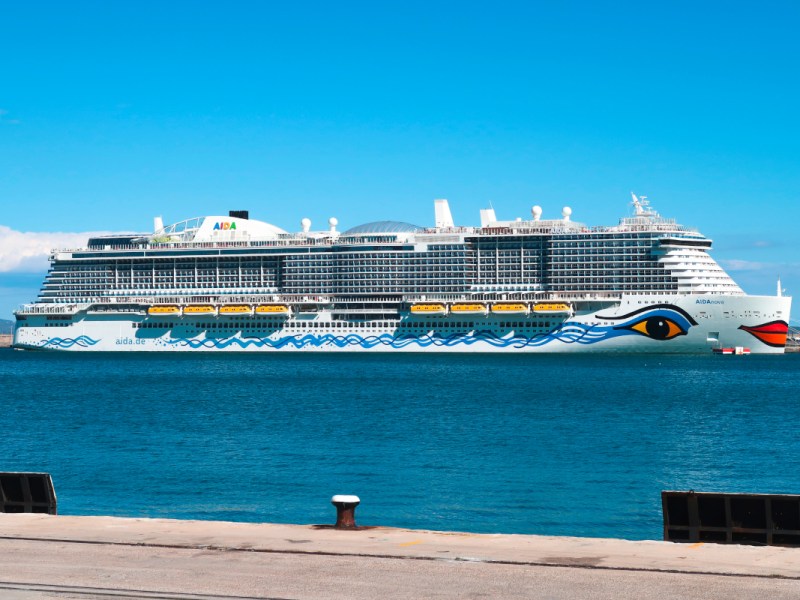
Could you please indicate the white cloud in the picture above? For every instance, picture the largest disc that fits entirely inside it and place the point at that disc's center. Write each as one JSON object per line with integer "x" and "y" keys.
{"x": 744, "y": 265}
{"x": 755, "y": 268}
{"x": 28, "y": 251}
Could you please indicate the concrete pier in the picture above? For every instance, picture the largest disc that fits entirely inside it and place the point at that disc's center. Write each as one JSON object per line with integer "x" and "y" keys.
{"x": 44, "y": 556}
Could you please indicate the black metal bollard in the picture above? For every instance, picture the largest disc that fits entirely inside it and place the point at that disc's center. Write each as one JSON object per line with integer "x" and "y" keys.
{"x": 345, "y": 511}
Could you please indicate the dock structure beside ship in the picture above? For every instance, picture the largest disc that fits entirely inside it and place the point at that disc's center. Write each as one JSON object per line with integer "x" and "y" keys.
{"x": 46, "y": 556}
{"x": 232, "y": 283}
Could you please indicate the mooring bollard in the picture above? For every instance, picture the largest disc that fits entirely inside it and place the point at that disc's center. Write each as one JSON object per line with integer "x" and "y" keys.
{"x": 345, "y": 511}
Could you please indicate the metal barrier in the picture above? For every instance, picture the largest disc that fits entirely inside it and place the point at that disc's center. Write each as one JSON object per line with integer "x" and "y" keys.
{"x": 756, "y": 519}
{"x": 27, "y": 493}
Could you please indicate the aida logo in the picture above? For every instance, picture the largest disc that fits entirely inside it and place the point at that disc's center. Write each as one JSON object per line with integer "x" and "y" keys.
{"x": 224, "y": 225}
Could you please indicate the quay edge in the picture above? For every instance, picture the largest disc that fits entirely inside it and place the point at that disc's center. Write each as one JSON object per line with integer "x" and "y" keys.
{"x": 43, "y": 554}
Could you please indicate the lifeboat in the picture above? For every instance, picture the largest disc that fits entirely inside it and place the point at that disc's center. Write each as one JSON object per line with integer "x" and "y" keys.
{"x": 164, "y": 311}
{"x": 273, "y": 309}
{"x": 468, "y": 309}
{"x": 510, "y": 308}
{"x": 552, "y": 308}
{"x": 199, "y": 309}
{"x": 235, "y": 309}
{"x": 428, "y": 309}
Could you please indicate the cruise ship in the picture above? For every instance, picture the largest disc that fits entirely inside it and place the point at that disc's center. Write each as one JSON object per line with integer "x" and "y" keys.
{"x": 235, "y": 284}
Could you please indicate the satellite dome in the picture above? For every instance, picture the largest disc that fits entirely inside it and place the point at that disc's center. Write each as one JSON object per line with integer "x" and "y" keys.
{"x": 382, "y": 227}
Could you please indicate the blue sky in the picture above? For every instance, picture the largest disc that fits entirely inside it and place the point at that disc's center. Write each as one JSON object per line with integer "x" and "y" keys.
{"x": 112, "y": 113}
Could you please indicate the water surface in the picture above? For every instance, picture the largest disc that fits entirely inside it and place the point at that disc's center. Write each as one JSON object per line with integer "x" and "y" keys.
{"x": 566, "y": 445}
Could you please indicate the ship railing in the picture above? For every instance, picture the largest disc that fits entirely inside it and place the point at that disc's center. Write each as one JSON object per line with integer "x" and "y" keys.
{"x": 632, "y": 224}
{"x": 521, "y": 296}
{"x": 183, "y": 299}
{"x": 446, "y": 230}
{"x": 367, "y": 311}
{"x": 299, "y": 241}
{"x": 569, "y": 227}
{"x": 377, "y": 300}
{"x": 49, "y": 309}
{"x": 671, "y": 227}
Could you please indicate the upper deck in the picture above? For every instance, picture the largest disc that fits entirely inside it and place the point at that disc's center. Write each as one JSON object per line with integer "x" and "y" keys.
{"x": 237, "y": 256}
{"x": 210, "y": 233}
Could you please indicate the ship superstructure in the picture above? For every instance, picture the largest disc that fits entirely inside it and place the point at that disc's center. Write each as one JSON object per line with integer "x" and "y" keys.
{"x": 234, "y": 283}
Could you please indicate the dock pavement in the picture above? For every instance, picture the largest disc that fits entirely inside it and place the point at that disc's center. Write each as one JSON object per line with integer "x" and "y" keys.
{"x": 60, "y": 557}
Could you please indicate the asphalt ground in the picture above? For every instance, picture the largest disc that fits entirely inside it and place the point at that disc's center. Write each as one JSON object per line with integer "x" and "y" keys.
{"x": 102, "y": 557}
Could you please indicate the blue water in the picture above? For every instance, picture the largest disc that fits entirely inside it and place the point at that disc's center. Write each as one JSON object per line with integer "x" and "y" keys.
{"x": 566, "y": 445}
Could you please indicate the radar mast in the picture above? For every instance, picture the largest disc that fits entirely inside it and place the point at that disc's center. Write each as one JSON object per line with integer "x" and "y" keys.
{"x": 641, "y": 206}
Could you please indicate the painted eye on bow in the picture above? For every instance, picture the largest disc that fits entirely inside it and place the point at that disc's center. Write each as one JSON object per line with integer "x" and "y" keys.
{"x": 658, "y": 322}
{"x": 657, "y": 327}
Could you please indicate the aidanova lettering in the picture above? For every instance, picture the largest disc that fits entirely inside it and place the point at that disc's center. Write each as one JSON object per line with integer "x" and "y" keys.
{"x": 224, "y": 225}
{"x": 704, "y": 301}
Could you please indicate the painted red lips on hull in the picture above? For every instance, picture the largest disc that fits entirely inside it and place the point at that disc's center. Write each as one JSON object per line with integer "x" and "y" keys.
{"x": 772, "y": 333}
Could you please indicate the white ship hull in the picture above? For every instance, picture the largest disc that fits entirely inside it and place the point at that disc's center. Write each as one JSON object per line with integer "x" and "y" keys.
{"x": 683, "y": 324}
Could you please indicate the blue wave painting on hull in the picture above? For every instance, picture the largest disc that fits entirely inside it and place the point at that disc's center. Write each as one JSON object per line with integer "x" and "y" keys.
{"x": 659, "y": 323}
{"x": 84, "y": 341}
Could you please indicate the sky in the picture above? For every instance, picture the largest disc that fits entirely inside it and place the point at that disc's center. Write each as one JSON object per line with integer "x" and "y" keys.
{"x": 112, "y": 113}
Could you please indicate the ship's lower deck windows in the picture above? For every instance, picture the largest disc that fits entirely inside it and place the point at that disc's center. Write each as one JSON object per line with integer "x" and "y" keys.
{"x": 160, "y": 325}
{"x": 278, "y": 324}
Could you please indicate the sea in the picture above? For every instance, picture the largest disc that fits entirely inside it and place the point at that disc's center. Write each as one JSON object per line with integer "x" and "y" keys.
{"x": 577, "y": 445}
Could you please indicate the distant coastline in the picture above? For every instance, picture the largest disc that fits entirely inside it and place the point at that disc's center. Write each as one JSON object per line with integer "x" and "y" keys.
{"x": 6, "y": 327}
{"x": 6, "y": 333}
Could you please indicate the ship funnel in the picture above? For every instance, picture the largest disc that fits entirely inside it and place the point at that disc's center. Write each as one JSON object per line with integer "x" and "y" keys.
{"x": 158, "y": 224}
{"x": 443, "y": 216}
{"x": 487, "y": 217}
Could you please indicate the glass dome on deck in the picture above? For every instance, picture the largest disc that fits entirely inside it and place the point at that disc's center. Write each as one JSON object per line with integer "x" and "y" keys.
{"x": 377, "y": 227}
